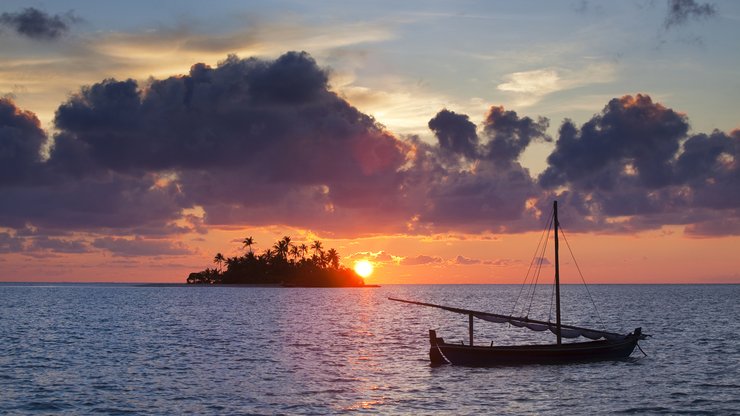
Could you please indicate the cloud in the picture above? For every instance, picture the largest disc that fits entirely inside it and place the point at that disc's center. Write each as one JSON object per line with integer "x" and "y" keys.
{"x": 456, "y": 133}
{"x": 59, "y": 245}
{"x": 137, "y": 247}
{"x": 536, "y": 82}
{"x": 633, "y": 139}
{"x": 489, "y": 191}
{"x": 36, "y": 24}
{"x": 530, "y": 87}
{"x": 680, "y": 12}
{"x": 466, "y": 261}
{"x": 266, "y": 142}
{"x": 21, "y": 140}
{"x": 510, "y": 135}
{"x": 504, "y": 262}
{"x": 248, "y": 141}
{"x": 421, "y": 260}
{"x": 634, "y": 168}
{"x": 10, "y": 243}
{"x": 376, "y": 257}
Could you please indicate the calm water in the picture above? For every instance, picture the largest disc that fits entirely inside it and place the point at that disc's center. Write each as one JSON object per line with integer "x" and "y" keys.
{"x": 217, "y": 350}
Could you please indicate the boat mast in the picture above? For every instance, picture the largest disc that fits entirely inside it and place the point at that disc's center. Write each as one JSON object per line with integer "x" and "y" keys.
{"x": 557, "y": 273}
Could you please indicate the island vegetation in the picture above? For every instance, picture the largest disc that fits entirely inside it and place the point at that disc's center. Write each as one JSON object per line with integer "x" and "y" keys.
{"x": 285, "y": 264}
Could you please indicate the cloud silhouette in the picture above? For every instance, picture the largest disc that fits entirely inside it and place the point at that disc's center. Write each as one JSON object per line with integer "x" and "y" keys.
{"x": 634, "y": 161}
{"x": 509, "y": 135}
{"x": 21, "y": 139}
{"x": 456, "y": 133}
{"x": 36, "y": 24}
{"x": 633, "y": 139}
{"x": 266, "y": 142}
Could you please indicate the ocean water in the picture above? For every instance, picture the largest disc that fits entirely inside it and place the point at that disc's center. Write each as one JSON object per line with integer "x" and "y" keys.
{"x": 127, "y": 349}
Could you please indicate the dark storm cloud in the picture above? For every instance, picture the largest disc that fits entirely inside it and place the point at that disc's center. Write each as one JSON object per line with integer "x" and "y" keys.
{"x": 492, "y": 195}
{"x": 455, "y": 133}
{"x": 21, "y": 139}
{"x": 632, "y": 139}
{"x": 509, "y": 135}
{"x": 681, "y": 11}
{"x": 112, "y": 202}
{"x": 488, "y": 198}
{"x": 251, "y": 141}
{"x": 633, "y": 168}
{"x": 273, "y": 120}
{"x": 710, "y": 167}
{"x": 266, "y": 142}
{"x": 37, "y": 24}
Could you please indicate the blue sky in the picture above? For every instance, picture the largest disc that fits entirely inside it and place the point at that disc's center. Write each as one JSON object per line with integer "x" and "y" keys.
{"x": 402, "y": 61}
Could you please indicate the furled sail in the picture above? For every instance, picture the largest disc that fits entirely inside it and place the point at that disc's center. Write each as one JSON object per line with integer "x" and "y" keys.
{"x": 566, "y": 331}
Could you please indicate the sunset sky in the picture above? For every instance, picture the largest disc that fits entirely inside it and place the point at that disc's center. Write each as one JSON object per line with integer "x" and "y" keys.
{"x": 137, "y": 139}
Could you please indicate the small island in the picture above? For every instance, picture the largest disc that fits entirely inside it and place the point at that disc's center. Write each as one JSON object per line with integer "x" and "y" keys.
{"x": 285, "y": 264}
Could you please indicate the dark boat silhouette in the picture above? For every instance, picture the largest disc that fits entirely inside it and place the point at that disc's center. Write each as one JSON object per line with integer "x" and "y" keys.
{"x": 605, "y": 345}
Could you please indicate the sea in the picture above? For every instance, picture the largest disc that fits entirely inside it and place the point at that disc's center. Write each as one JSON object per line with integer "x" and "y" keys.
{"x": 177, "y": 349}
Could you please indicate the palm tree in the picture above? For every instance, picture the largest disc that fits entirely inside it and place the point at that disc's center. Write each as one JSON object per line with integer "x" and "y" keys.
{"x": 283, "y": 247}
{"x": 219, "y": 259}
{"x": 304, "y": 249}
{"x": 295, "y": 252}
{"x": 317, "y": 248}
{"x": 287, "y": 240}
{"x": 332, "y": 257}
{"x": 268, "y": 254}
{"x": 248, "y": 242}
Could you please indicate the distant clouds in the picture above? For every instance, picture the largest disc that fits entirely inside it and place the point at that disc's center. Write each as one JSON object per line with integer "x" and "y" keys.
{"x": 421, "y": 260}
{"x": 266, "y": 142}
{"x": 135, "y": 247}
{"x": 682, "y": 11}
{"x": 37, "y": 24}
{"x": 529, "y": 87}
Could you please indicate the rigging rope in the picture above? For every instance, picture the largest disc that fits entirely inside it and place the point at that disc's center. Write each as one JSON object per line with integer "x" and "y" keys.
{"x": 582, "y": 279}
{"x": 537, "y": 272}
{"x": 545, "y": 232}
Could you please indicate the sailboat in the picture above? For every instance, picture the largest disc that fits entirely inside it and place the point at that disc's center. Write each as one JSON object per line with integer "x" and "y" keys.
{"x": 604, "y": 345}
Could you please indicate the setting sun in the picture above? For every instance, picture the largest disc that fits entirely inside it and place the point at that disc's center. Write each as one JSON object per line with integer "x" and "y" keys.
{"x": 364, "y": 268}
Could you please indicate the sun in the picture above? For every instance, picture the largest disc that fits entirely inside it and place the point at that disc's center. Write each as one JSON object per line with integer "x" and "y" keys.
{"x": 364, "y": 268}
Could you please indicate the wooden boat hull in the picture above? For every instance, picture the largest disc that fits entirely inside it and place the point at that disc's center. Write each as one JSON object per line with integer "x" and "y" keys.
{"x": 484, "y": 356}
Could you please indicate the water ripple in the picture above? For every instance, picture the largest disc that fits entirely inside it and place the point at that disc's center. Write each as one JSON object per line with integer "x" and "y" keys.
{"x": 123, "y": 349}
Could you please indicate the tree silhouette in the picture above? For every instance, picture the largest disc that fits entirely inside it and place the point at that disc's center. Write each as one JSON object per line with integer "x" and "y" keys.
{"x": 274, "y": 266}
{"x": 282, "y": 247}
{"x": 248, "y": 242}
{"x": 317, "y": 248}
{"x": 332, "y": 258}
{"x": 295, "y": 252}
{"x": 219, "y": 259}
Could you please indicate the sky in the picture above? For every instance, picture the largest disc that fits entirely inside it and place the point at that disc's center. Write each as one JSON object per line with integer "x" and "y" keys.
{"x": 138, "y": 139}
